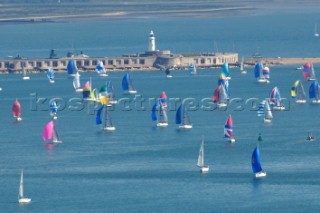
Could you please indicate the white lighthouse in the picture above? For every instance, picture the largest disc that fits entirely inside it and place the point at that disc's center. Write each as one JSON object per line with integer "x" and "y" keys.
{"x": 152, "y": 42}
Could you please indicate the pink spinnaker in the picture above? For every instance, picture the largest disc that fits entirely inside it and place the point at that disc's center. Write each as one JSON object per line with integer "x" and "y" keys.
{"x": 16, "y": 109}
{"x": 48, "y": 131}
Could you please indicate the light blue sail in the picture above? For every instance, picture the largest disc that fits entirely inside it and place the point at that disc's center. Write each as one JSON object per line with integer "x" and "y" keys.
{"x": 255, "y": 160}
{"x": 225, "y": 69}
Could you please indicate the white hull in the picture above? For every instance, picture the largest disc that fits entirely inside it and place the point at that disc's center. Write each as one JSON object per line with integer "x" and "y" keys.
{"x": 110, "y": 128}
{"x": 316, "y": 34}
{"x": 79, "y": 90}
{"x": 24, "y": 200}
{"x": 56, "y": 141}
{"x": 72, "y": 75}
{"x": 266, "y": 120}
{"x": 0, "y": 89}
{"x": 113, "y": 102}
{"x": 310, "y": 139}
{"x": 232, "y": 140}
{"x": 312, "y": 79}
{"x": 301, "y": 101}
{"x": 26, "y": 78}
{"x": 263, "y": 80}
{"x": 204, "y": 169}
{"x": 243, "y": 72}
{"x": 279, "y": 108}
{"x": 18, "y": 119}
{"x": 316, "y": 101}
{"x": 103, "y": 75}
{"x": 221, "y": 105}
{"x": 260, "y": 174}
{"x": 130, "y": 92}
{"x": 162, "y": 124}
{"x": 185, "y": 127}
{"x": 228, "y": 78}
{"x": 51, "y": 81}
{"x": 193, "y": 73}
{"x": 54, "y": 117}
{"x": 169, "y": 76}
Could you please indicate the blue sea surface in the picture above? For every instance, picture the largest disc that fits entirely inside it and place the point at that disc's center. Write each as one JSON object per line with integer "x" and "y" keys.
{"x": 141, "y": 168}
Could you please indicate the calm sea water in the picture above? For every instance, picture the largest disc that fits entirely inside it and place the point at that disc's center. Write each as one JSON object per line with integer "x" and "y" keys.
{"x": 140, "y": 168}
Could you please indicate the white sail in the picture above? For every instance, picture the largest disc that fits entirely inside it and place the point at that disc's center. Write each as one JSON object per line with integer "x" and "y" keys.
{"x": 201, "y": 155}
{"x": 301, "y": 95}
{"x": 268, "y": 112}
{"x": 21, "y": 186}
{"x": 241, "y": 64}
{"x": 76, "y": 81}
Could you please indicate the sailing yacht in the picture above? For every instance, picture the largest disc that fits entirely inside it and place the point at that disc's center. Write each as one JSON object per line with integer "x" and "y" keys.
{"x": 21, "y": 198}
{"x": 203, "y": 168}
{"x": 101, "y": 70}
{"x": 314, "y": 92}
{"x": 310, "y": 137}
{"x": 256, "y": 164}
{"x": 50, "y": 75}
{"x": 168, "y": 73}
{"x": 16, "y": 111}
{"x": 308, "y": 72}
{"x": 275, "y": 99}
{"x": 53, "y": 110}
{"x": 76, "y": 83}
{"x": 159, "y": 114}
{"x": 50, "y": 133}
{"x": 24, "y": 73}
{"x": 316, "y": 34}
{"x": 192, "y": 69}
{"x": 106, "y": 122}
{"x": 297, "y": 91}
{"x": 220, "y": 96}
{"x": 127, "y": 85}
{"x": 258, "y": 73}
{"x": 72, "y": 68}
{"x": 182, "y": 118}
{"x": 228, "y": 133}
{"x": 243, "y": 71}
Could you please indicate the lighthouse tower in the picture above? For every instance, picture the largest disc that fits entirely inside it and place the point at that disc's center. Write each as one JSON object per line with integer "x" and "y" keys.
{"x": 152, "y": 42}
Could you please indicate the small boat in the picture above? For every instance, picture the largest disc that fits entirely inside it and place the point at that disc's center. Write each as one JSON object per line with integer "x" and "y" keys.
{"x": 261, "y": 107}
{"x": 258, "y": 73}
{"x": 220, "y": 96}
{"x": 203, "y": 168}
{"x": 50, "y": 75}
{"x": 16, "y": 111}
{"x": 21, "y": 198}
{"x": 268, "y": 114}
{"x": 275, "y": 99}
{"x": 72, "y": 68}
{"x": 127, "y": 85}
{"x": 53, "y": 110}
{"x": 243, "y": 71}
{"x": 192, "y": 69}
{"x": 225, "y": 70}
{"x": 159, "y": 114}
{"x": 310, "y": 137}
{"x": 76, "y": 83}
{"x": 228, "y": 130}
{"x": 168, "y": 73}
{"x": 314, "y": 92}
{"x": 104, "y": 118}
{"x": 163, "y": 99}
{"x": 297, "y": 92}
{"x": 256, "y": 164}
{"x": 308, "y": 72}
{"x": 101, "y": 70}
{"x": 50, "y": 133}
{"x": 24, "y": 75}
{"x": 182, "y": 118}
{"x": 299, "y": 68}
{"x": 316, "y": 34}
